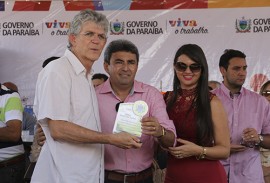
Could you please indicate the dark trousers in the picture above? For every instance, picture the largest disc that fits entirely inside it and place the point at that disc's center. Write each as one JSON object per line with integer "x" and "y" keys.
{"x": 13, "y": 173}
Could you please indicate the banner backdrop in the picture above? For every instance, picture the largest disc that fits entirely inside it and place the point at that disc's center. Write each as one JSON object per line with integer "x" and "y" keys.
{"x": 32, "y": 31}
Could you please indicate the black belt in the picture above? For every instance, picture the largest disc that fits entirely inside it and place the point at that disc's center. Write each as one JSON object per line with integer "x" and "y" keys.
{"x": 12, "y": 161}
{"x": 129, "y": 177}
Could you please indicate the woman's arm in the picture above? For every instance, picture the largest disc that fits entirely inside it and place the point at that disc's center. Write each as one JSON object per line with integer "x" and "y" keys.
{"x": 221, "y": 149}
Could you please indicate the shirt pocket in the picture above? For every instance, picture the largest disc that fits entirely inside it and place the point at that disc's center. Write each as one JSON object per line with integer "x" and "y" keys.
{"x": 81, "y": 103}
{"x": 251, "y": 120}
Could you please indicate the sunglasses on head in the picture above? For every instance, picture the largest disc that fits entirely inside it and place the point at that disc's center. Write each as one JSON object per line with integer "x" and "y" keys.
{"x": 117, "y": 106}
{"x": 266, "y": 93}
{"x": 180, "y": 66}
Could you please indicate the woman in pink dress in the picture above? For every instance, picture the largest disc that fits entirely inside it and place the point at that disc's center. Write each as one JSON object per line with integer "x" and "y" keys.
{"x": 200, "y": 121}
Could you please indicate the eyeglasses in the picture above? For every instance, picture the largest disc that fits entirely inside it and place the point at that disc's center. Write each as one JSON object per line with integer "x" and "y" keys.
{"x": 101, "y": 37}
{"x": 180, "y": 66}
{"x": 117, "y": 106}
{"x": 266, "y": 93}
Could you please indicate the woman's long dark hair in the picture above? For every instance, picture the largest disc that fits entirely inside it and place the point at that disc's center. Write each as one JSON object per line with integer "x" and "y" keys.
{"x": 202, "y": 99}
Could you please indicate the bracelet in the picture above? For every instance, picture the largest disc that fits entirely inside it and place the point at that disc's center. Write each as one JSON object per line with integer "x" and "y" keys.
{"x": 163, "y": 133}
{"x": 202, "y": 155}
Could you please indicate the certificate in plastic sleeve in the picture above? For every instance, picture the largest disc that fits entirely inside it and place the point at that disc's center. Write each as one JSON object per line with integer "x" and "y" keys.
{"x": 129, "y": 117}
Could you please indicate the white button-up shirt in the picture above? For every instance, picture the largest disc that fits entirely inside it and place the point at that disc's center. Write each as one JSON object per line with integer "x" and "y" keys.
{"x": 65, "y": 92}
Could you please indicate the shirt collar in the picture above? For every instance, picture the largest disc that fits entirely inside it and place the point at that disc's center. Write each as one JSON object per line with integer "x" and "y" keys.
{"x": 75, "y": 62}
{"x": 137, "y": 88}
{"x": 228, "y": 92}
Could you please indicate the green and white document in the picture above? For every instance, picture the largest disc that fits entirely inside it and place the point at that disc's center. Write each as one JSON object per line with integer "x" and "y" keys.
{"x": 129, "y": 117}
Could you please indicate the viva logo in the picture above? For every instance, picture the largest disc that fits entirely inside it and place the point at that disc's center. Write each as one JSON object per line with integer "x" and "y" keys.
{"x": 183, "y": 23}
{"x": 57, "y": 24}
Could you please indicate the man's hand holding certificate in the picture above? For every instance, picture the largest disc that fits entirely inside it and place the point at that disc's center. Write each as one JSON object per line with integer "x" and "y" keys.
{"x": 129, "y": 117}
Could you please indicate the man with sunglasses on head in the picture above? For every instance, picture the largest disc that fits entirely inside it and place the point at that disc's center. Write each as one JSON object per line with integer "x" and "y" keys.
{"x": 67, "y": 109}
{"x": 121, "y": 59}
{"x": 249, "y": 120}
{"x": 265, "y": 90}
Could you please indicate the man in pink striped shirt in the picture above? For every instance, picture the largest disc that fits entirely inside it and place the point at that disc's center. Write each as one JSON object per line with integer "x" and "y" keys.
{"x": 131, "y": 165}
{"x": 249, "y": 120}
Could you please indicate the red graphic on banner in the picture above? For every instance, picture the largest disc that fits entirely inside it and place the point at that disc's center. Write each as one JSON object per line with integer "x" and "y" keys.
{"x": 168, "y": 4}
{"x": 31, "y": 5}
{"x": 256, "y": 81}
{"x": 70, "y": 5}
{"x": 78, "y": 5}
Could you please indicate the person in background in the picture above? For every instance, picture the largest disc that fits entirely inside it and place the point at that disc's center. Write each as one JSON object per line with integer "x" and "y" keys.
{"x": 28, "y": 125}
{"x": 213, "y": 84}
{"x": 249, "y": 120}
{"x": 67, "y": 110}
{"x": 12, "y": 158}
{"x": 29, "y": 121}
{"x": 48, "y": 60}
{"x": 265, "y": 90}
{"x": 98, "y": 79}
{"x": 121, "y": 60}
{"x": 200, "y": 121}
{"x": 265, "y": 153}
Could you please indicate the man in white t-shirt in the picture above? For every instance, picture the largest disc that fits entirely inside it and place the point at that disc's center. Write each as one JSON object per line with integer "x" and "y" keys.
{"x": 67, "y": 109}
{"x": 12, "y": 158}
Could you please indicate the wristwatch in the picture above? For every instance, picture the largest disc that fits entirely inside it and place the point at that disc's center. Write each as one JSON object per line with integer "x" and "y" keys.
{"x": 163, "y": 133}
{"x": 260, "y": 140}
